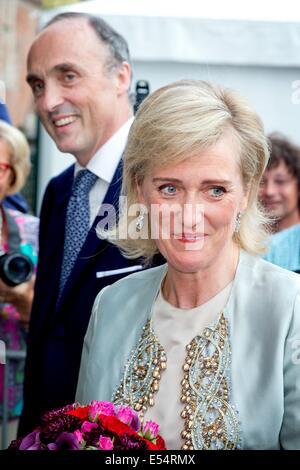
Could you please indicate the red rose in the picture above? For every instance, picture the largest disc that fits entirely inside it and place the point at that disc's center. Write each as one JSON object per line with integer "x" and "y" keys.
{"x": 81, "y": 412}
{"x": 112, "y": 424}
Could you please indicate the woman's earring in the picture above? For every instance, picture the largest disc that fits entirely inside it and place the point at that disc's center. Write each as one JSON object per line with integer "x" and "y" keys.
{"x": 238, "y": 222}
{"x": 140, "y": 221}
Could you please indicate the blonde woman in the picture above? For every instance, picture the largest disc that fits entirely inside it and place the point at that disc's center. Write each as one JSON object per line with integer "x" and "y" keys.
{"x": 205, "y": 345}
{"x": 15, "y": 301}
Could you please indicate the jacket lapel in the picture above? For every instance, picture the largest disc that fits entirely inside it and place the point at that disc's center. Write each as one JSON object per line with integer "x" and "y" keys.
{"x": 51, "y": 248}
{"x": 116, "y": 339}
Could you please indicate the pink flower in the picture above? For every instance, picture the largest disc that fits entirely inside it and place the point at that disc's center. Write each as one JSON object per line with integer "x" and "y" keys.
{"x": 128, "y": 416}
{"x": 87, "y": 426}
{"x": 78, "y": 435}
{"x": 113, "y": 428}
{"x": 101, "y": 407}
{"x": 150, "y": 430}
{"x": 105, "y": 443}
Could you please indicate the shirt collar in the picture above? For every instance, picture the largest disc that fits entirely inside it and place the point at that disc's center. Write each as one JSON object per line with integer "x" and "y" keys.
{"x": 105, "y": 161}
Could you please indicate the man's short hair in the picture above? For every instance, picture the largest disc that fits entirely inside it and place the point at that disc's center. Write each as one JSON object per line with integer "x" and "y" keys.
{"x": 116, "y": 44}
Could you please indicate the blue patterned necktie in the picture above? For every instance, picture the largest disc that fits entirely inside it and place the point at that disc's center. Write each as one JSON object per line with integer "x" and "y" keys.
{"x": 77, "y": 222}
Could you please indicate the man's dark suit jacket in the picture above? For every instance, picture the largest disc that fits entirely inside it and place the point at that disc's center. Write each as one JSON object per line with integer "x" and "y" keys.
{"x": 57, "y": 330}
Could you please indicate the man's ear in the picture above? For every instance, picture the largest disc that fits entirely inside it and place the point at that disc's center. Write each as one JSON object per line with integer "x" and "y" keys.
{"x": 123, "y": 78}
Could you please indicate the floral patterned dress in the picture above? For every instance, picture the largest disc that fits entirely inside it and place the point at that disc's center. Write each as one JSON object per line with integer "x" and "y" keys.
{"x": 12, "y": 331}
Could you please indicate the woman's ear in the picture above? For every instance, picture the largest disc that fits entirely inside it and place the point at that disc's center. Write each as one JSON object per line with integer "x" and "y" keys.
{"x": 139, "y": 190}
{"x": 245, "y": 199}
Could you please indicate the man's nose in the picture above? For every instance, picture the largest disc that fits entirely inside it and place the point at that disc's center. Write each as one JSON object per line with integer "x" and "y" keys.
{"x": 52, "y": 98}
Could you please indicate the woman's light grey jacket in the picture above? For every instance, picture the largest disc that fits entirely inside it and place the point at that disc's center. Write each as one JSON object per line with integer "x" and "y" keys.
{"x": 263, "y": 313}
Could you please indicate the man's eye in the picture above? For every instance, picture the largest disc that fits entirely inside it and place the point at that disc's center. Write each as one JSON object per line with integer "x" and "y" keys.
{"x": 70, "y": 76}
{"x": 168, "y": 189}
{"x": 37, "y": 87}
{"x": 217, "y": 191}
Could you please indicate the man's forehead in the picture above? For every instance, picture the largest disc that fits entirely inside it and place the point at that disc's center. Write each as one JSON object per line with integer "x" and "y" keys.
{"x": 55, "y": 46}
{"x": 67, "y": 34}
{"x": 66, "y": 25}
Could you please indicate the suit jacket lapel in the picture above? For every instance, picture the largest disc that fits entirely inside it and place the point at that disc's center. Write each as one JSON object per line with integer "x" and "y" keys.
{"x": 64, "y": 192}
{"x": 51, "y": 244}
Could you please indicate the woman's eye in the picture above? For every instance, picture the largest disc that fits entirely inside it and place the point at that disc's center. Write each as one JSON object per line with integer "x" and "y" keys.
{"x": 217, "y": 191}
{"x": 168, "y": 189}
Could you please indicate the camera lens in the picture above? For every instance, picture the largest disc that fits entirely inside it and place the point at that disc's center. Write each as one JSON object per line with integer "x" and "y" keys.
{"x": 15, "y": 268}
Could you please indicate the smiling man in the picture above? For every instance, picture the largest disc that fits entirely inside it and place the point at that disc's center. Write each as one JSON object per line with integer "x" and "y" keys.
{"x": 79, "y": 72}
{"x": 80, "y": 87}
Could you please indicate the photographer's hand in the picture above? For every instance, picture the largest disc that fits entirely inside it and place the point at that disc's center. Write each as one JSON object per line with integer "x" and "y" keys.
{"x": 20, "y": 296}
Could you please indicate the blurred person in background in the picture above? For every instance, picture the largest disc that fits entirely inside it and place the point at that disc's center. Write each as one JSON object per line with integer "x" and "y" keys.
{"x": 17, "y": 200}
{"x": 21, "y": 229}
{"x": 279, "y": 188}
{"x": 280, "y": 196}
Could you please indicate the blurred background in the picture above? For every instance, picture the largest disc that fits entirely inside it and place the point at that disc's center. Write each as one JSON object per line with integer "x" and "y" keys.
{"x": 251, "y": 46}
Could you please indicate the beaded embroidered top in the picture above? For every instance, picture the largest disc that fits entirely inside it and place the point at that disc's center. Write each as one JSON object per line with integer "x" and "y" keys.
{"x": 210, "y": 420}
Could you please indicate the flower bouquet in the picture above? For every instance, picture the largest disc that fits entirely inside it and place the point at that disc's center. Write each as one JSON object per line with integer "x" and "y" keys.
{"x": 98, "y": 426}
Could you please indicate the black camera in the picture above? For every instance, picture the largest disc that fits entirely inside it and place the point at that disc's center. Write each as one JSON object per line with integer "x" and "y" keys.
{"x": 15, "y": 268}
{"x": 142, "y": 90}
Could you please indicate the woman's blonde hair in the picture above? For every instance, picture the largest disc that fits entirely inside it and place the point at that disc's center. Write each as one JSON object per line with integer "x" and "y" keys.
{"x": 176, "y": 122}
{"x": 19, "y": 155}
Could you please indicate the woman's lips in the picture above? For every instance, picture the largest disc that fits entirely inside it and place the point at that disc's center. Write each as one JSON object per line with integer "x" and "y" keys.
{"x": 190, "y": 237}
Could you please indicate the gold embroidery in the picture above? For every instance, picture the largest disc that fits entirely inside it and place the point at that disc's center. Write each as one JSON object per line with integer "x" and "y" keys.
{"x": 211, "y": 421}
{"x": 142, "y": 373}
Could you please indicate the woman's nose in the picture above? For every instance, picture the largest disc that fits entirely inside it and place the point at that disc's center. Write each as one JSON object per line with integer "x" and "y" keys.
{"x": 192, "y": 213}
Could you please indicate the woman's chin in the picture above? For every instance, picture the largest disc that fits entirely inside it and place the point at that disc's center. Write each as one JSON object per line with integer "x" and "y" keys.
{"x": 189, "y": 262}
